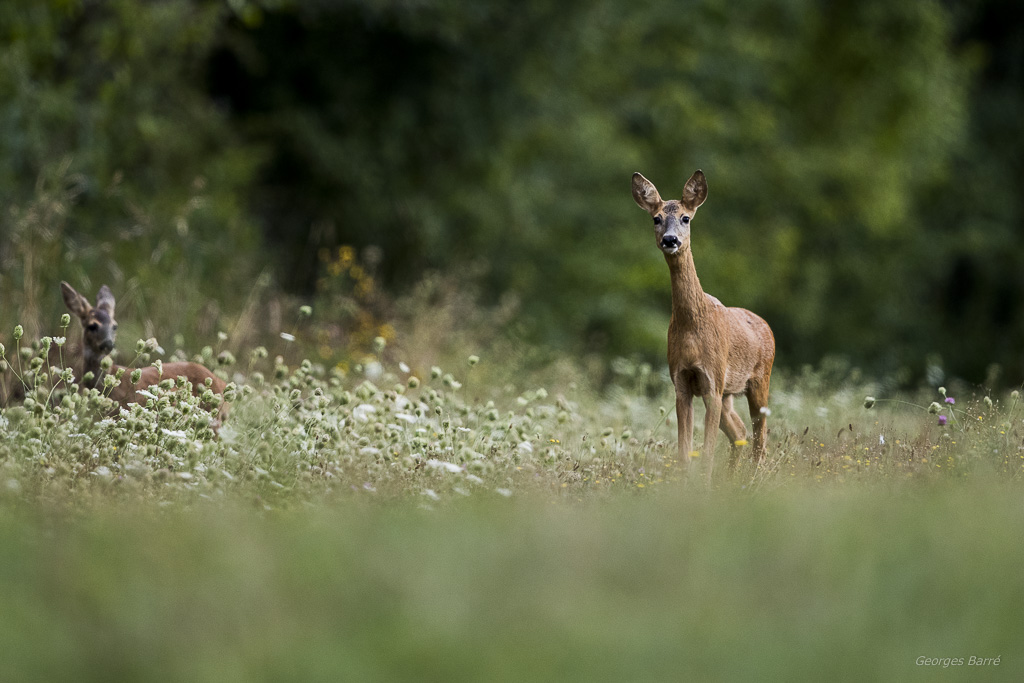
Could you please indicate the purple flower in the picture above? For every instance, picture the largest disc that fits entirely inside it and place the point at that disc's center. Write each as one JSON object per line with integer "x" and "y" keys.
{"x": 942, "y": 420}
{"x": 950, "y": 399}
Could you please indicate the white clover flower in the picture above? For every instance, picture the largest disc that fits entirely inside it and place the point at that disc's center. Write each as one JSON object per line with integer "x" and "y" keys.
{"x": 363, "y": 411}
{"x": 374, "y": 370}
{"x": 287, "y": 337}
{"x": 444, "y": 465}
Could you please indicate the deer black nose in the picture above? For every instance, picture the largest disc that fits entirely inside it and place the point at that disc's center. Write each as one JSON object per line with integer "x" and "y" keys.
{"x": 669, "y": 242}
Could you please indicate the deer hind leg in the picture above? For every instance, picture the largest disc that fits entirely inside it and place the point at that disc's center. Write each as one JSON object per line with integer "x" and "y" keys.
{"x": 732, "y": 425}
{"x": 757, "y": 397}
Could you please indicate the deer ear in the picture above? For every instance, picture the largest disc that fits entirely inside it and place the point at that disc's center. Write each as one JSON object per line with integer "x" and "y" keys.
{"x": 75, "y": 302}
{"x": 645, "y": 194}
{"x": 695, "y": 191}
{"x": 105, "y": 300}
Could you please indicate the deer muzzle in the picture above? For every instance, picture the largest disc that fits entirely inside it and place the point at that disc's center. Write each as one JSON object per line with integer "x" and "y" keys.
{"x": 676, "y": 235}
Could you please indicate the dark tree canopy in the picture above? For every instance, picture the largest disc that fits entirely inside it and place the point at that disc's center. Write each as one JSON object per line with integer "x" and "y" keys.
{"x": 863, "y": 161}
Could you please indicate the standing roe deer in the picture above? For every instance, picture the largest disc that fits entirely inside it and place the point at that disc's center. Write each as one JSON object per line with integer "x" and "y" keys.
{"x": 98, "y": 332}
{"x": 714, "y": 351}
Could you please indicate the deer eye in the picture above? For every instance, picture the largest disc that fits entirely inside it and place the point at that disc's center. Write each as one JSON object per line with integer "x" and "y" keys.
{"x": 686, "y": 219}
{"x": 657, "y": 220}
{"x": 115, "y": 327}
{"x": 94, "y": 326}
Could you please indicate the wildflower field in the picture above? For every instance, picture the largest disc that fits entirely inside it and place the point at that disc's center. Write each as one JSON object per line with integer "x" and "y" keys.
{"x": 475, "y": 520}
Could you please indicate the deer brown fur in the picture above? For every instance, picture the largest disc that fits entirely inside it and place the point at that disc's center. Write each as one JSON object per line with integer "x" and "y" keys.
{"x": 714, "y": 351}
{"x": 98, "y": 334}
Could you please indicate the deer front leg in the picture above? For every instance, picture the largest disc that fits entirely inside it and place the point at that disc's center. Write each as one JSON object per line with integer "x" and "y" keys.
{"x": 684, "y": 418}
{"x": 712, "y": 418}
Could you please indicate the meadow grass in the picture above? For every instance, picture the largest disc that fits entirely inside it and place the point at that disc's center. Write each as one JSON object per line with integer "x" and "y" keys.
{"x": 468, "y": 521}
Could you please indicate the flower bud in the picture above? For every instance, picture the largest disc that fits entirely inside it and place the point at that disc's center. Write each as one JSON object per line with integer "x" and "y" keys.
{"x": 869, "y": 402}
{"x": 19, "y": 332}
{"x": 136, "y": 376}
{"x": 473, "y": 360}
{"x": 65, "y": 320}
{"x": 934, "y": 408}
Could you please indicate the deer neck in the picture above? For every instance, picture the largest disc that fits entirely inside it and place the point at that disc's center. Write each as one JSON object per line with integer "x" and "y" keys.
{"x": 689, "y": 304}
{"x": 91, "y": 363}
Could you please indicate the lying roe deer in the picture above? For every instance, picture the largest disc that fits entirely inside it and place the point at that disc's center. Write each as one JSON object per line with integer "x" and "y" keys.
{"x": 98, "y": 332}
{"x": 714, "y": 351}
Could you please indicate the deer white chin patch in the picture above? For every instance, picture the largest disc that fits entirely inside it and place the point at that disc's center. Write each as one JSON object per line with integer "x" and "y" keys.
{"x": 671, "y": 251}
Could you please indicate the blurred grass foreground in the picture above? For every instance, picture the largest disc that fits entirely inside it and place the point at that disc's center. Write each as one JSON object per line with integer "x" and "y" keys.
{"x": 809, "y": 585}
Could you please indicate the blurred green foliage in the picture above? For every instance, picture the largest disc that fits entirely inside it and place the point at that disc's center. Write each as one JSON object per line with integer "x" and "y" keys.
{"x": 811, "y": 585}
{"x": 861, "y": 156}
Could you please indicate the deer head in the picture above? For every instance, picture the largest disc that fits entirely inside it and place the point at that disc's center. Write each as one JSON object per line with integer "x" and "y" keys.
{"x": 99, "y": 329}
{"x": 671, "y": 218}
